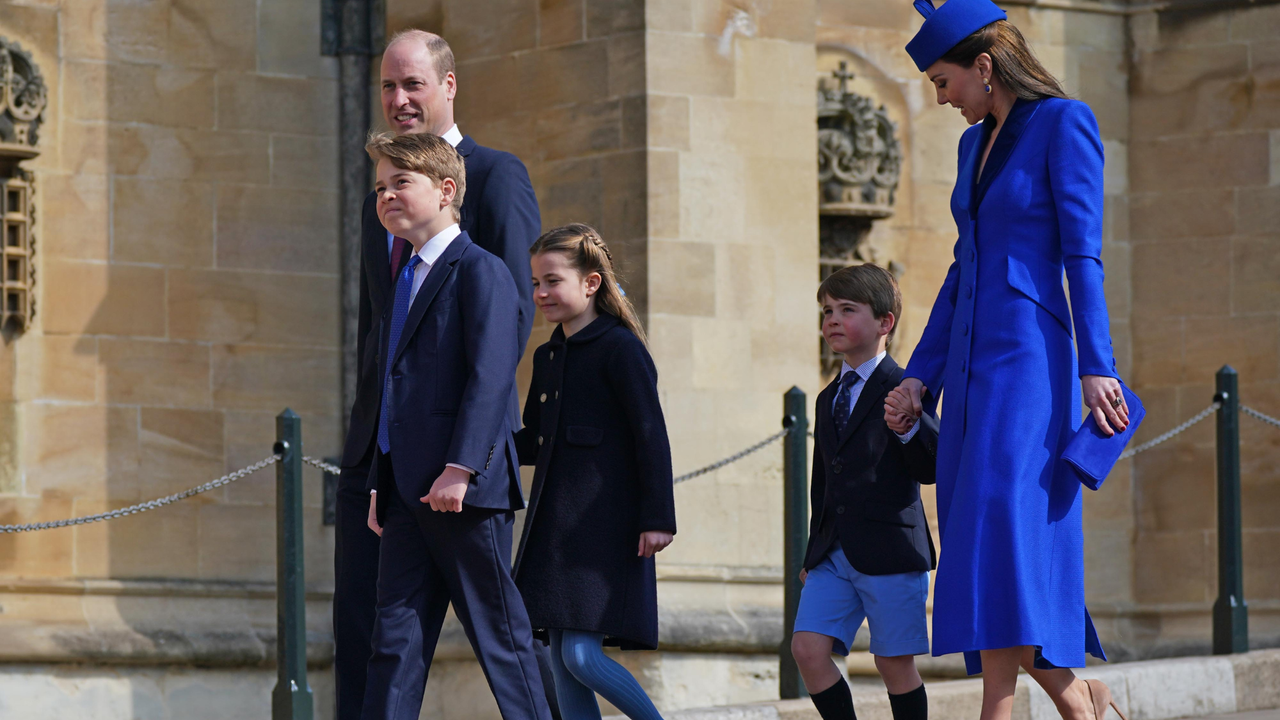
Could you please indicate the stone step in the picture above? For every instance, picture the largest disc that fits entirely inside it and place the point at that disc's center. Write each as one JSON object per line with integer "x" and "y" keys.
{"x": 1149, "y": 690}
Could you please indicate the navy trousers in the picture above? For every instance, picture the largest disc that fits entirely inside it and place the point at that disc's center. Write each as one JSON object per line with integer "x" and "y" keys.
{"x": 355, "y": 588}
{"x": 427, "y": 560}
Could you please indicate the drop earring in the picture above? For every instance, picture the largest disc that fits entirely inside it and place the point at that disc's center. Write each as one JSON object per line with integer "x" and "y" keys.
{"x": 986, "y": 85}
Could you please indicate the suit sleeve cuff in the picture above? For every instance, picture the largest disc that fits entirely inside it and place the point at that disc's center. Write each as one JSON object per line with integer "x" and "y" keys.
{"x": 906, "y": 438}
{"x": 463, "y": 468}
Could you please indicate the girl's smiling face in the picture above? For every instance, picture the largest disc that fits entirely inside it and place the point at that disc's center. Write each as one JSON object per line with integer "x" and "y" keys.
{"x": 559, "y": 290}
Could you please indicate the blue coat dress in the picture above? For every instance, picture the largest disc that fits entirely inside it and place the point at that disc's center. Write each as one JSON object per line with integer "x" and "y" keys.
{"x": 998, "y": 347}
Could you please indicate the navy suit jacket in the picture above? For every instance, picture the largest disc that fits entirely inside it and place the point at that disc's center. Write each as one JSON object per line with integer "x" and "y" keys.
{"x": 452, "y": 381}
{"x": 866, "y": 483}
{"x": 500, "y": 214}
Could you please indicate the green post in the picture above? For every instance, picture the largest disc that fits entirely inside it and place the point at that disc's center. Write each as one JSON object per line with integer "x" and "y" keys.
{"x": 291, "y": 699}
{"x": 1230, "y": 613}
{"x": 795, "y": 531}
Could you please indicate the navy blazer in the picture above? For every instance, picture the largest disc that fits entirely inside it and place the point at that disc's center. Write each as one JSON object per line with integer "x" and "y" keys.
{"x": 866, "y": 484}
{"x": 452, "y": 381}
{"x": 500, "y": 214}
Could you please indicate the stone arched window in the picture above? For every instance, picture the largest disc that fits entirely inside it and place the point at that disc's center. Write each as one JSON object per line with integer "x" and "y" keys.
{"x": 23, "y": 96}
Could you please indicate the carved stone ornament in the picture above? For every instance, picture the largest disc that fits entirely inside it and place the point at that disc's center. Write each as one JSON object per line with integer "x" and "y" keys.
{"x": 23, "y": 97}
{"x": 859, "y": 157}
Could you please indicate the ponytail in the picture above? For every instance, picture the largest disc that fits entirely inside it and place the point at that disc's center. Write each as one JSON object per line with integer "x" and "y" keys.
{"x": 587, "y": 254}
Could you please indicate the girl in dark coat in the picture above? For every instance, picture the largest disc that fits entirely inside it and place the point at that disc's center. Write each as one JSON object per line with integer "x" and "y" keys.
{"x": 602, "y": 503}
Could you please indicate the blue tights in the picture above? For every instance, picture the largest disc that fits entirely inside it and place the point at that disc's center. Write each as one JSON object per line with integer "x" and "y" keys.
{"x": 581, "y": 670}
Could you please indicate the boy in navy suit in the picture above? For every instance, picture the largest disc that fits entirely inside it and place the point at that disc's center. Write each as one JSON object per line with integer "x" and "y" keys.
{"x": 870, "y": 551}
{"x": 445, "y": 469}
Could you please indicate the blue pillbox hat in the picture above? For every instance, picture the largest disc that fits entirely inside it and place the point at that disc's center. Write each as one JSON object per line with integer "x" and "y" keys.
{"x": 946, "y": 26}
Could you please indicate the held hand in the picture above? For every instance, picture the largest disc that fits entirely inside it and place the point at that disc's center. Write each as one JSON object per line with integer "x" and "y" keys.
{"x": 906, "y": 399}
{"x": 653, "y": 542}
{"x": 804, "y": 575}
{"x": 373, "y": 514}
{"x": 1105, "y": 400}
{"x": 898, "y": 422}
{"x": 448, "y": 490}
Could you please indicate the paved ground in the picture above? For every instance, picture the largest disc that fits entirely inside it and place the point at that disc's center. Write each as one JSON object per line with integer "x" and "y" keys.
{"x": 1258, "y": 715}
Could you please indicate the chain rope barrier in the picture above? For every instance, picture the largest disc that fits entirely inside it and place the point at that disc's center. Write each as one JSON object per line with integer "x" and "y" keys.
{"x": 735, "y": 457}
{"x": 335, "y": 470}
{"x": 148, "y": 505}
{"x": 1174, "y": 432}
{"x": 1260, "y": 417}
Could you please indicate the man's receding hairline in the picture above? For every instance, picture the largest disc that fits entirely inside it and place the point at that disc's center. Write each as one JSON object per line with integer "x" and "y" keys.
{"x": 425, "y": 38}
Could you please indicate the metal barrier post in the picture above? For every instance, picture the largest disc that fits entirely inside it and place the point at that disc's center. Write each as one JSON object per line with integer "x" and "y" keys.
{"x": 795, "y": 531}
{"x": 1230, "y": 613}
{"x": 291, "y": 698}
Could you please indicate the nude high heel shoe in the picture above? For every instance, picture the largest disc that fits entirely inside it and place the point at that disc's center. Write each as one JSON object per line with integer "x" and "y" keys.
{"x": 1100, "y": 696}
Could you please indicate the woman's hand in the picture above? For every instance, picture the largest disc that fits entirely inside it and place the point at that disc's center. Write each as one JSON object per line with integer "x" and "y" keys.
{"x": 653, "y": 542}
{"x": 905, "y": 400}
{"x": 1106, "y": 402}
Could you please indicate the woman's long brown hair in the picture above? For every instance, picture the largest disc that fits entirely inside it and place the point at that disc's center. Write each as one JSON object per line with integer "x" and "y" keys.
{"x": 1011, "y": 60}
{"x": 587, "y": 253}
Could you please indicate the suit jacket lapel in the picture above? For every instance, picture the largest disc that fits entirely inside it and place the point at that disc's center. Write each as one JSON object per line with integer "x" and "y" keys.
{"x": 826, "y": 426}
{"x": 870, "y": 397}
{"x": 430, "y": 287}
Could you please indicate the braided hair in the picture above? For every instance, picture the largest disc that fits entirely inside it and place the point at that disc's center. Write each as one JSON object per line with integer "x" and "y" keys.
{"x": 587, "y": 253}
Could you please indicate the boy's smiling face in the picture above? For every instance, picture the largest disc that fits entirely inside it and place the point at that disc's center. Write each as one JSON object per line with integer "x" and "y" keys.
{"x": 853, "y": 330}
{"x": 410, "y": 203}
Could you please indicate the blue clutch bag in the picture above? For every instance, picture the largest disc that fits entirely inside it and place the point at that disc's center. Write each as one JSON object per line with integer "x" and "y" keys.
{"x": 1092, "y": 454}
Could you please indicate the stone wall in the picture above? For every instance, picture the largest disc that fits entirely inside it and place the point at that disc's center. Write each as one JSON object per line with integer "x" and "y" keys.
{"x": 1204, "y": 202}
{"x": 186, "y": 268}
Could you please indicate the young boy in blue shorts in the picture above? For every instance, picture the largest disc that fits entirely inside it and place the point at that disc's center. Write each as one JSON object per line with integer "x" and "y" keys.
{"x": 870, "y": 551}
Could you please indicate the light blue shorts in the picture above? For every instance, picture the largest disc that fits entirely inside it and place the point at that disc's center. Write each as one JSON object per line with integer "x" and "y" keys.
{"x": 836, "y": 598}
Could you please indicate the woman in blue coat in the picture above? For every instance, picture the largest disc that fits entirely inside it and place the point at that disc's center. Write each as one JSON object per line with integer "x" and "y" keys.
{"x": 1028, "y": 205}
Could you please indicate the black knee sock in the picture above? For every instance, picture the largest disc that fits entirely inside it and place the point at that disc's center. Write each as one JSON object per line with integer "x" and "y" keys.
{"x": 912, "y": 705}
{"x": 836, "y": 702}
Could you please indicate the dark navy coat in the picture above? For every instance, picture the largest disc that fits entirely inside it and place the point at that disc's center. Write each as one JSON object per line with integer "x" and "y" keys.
{"x": 866, "y": 482}
{"x": 452, "y": 381}
{"x": 594, "y": 429}
{"x": 999, "y": 348}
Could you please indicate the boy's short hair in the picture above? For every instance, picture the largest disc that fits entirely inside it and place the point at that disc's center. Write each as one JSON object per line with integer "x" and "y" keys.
{"x": 868, "y": 284}
{"x": 424, "y": 153}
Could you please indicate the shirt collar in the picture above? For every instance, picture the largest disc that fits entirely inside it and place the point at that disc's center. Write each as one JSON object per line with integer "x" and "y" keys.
{"x": 453, "y": 136}
{"x": 865, "y": 369}
{"x": 436, "y": 246}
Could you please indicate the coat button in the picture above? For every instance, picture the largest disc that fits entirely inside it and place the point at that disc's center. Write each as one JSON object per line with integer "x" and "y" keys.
{"x": 840, "y": 510}
{"x": 557, "y": 394}
{"x": 972, "y": 255}
{"x": 553, "y": 354}
{"x": 539, "y": 439}
{"x": 836, "y": 467}
{"x": 964, "y": 329}
{"x": 968, "y": 292}
{"x": 543, "y": 398}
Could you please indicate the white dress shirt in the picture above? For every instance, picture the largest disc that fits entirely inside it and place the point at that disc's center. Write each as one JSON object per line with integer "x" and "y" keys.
{"x": 453, "y": 136}
{"x": 863, "y": 372}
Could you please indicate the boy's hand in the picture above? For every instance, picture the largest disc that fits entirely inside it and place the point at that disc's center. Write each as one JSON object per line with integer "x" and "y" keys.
{"x": 448, "y": 490}
{"x": 898, "y": 422}
{"x": 905, "y": 399}
{"x": 373, "y": 514}
{"x": 653, "y": 542}
{"x": 804, "y": 575}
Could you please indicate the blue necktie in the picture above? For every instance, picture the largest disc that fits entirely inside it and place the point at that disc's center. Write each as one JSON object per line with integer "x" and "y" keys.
{"x": 844, "y": 400}
{"x": 399, "y": 313}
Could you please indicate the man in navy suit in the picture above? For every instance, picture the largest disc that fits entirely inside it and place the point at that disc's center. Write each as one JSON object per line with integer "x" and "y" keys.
{"x": 500, "y": 214}
{"x": 445, "y": 466}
